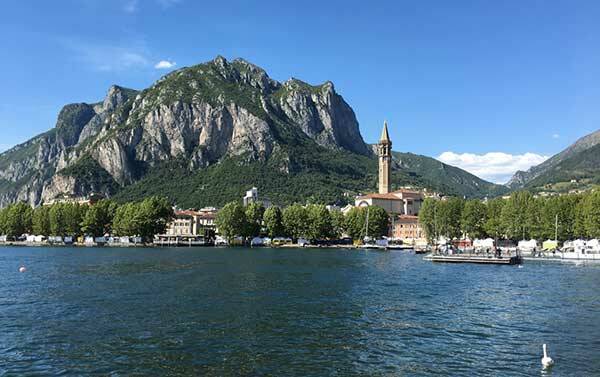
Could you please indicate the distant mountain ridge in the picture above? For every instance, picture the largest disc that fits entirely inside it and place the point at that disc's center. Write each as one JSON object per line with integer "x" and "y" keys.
{"x": 204, "y": 134}
{"x": 580, "y": 161}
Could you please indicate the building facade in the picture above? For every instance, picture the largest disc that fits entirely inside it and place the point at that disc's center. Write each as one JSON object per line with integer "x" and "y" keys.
{"x": 191, "y": 223}
{"x": 252, "y": 197}
{"x": 400, "y": 202}
{"x": 407, "y": 228}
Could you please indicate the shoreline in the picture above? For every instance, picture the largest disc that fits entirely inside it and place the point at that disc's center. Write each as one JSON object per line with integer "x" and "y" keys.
{"x": 20, "y": 244}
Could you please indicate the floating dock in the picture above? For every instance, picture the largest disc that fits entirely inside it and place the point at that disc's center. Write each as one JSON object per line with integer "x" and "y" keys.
{"x": 510, "y": 260}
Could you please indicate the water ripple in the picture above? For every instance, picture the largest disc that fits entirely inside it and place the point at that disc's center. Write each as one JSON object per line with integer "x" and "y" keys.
{"x": 218, "y": 312}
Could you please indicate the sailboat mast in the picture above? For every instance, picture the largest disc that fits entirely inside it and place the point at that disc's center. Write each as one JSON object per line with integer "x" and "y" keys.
{"x": 367, "y": 224}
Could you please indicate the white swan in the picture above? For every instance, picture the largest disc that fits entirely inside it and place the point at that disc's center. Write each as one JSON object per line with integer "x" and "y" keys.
{"x": 547, "y": 361}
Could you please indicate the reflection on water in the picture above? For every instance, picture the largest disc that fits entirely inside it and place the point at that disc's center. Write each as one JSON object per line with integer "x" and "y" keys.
{"x": 290, "y": 312}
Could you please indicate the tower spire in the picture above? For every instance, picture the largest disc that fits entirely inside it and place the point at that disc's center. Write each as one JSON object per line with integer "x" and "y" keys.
{"x": 384, "y": 133}
{"x": 385, "y": 160}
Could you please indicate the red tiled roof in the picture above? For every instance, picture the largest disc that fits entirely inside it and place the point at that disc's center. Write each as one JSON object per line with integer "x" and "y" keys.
{"x": 202, "y": 215}
{"x": 409, "y": 192}
{"x": 389, "y": 196}
{"x": 186, "y": 213}
{"x": 207, "y": 216}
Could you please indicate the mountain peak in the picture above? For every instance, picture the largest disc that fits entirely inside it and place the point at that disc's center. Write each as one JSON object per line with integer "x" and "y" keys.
{"x": 577, "y": 162}
{"x": 116, "y": 96}
{"x": 220, "y": 60}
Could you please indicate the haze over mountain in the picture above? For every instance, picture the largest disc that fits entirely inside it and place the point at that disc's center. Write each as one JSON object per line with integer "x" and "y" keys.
{"x": 579, "y": 162}
{"x": 204, "y": 134}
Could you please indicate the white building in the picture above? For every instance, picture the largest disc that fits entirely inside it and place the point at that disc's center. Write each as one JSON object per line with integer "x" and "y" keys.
{"x": 252, "y": 197}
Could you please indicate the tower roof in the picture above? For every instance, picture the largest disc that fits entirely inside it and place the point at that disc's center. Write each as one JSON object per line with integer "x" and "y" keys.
{"x": 384, "y": 133}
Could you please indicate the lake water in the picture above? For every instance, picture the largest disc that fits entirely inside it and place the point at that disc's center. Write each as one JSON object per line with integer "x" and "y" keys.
{"x": 242, "y": 312}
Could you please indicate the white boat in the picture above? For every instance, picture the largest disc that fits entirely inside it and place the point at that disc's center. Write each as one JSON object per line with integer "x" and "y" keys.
{"x": 580, "y": 250}
{"x": 221, "y": 241}
{"x": 372, "y": 244}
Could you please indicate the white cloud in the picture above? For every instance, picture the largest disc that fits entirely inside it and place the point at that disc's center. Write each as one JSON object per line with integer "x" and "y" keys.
{"x": 496, "y": 167}
{"x": 555, "y": 136}
{"x": 165, "y": 64}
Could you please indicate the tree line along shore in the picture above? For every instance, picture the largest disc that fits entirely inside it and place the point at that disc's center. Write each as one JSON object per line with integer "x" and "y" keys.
{"x": 143, "y": 219}
{"x": 151, "y": 217}
{"x": 521, "y": 216}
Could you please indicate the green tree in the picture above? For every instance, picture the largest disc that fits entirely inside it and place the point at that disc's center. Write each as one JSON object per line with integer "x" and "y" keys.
{"x": 320, "y": 222}
{"x": 338, "y": 223}
{"x": 126, "y": 220}
{"x": 561, "y": 211}
{"x": 474, "y": 216}
{"x": 58, "y": 219}
{"x": 592, "y": 214}
{"x": 3, "y": 219}
{"x": 566, "y": 216}
{"x": 40, "y": 222}
{"x": 98, "y": 218}
{"x": 493, "y": 225}
{"x": 515, "y": 219}
{"x": 254, "y": 216}
{"x": 427, "y": 219}
{"x": 579, "y": 213}
{"x": 449, "y": 214}
{"x": 273, "y": 219}
{"x": 17, "y": 219}
{"x": 231, "y": 220}
{"x": 356, "y": 222}
{"x": 152, "y": 217}
{"x": 295, "y": 221}
{"x": 74, "y": 216}
{"x": 534, "y": 219}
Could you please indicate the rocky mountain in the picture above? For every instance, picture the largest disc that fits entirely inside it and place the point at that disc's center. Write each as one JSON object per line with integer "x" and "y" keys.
{"x": 580, "y": 162}
{"x": 204, "y": 134}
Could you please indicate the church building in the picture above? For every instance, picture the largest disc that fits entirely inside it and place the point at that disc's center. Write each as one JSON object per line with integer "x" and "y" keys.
{"x": 402, "y": 205}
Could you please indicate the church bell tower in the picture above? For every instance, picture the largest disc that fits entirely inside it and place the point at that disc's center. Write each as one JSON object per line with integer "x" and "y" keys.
{"x": 385, "y": 160}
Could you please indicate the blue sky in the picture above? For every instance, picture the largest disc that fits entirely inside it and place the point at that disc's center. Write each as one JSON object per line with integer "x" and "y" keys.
{"x": 518, "y": 78}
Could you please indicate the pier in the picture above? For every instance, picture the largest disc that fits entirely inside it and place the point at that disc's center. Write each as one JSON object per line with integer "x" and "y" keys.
{"x": 479, "y": 259}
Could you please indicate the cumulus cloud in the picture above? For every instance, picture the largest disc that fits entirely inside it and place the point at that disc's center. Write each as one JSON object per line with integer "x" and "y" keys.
{"x": 165, "y": 64}
{"x": 496, "y": 167}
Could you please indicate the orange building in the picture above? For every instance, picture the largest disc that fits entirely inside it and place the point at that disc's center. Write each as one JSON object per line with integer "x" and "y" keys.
{"x": 406, "y": 227}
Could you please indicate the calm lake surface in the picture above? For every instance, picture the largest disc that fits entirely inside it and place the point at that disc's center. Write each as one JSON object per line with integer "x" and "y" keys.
{"x": 242, "y": 312}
